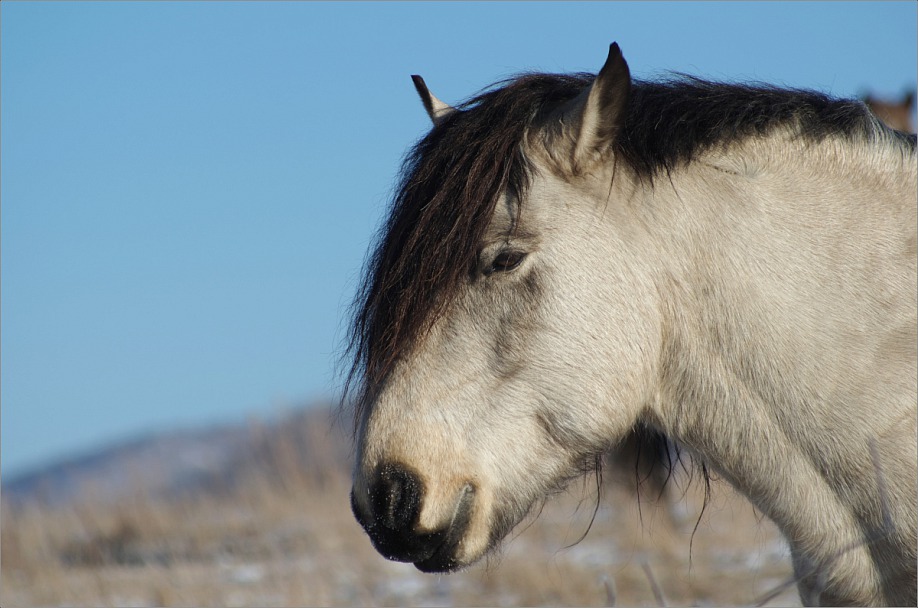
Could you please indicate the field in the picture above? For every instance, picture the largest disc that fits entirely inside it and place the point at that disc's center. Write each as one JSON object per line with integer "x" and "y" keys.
{"x": 277, "y": 531}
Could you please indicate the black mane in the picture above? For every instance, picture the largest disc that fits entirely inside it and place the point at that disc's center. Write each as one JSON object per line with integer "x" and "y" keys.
{"x": 448, "y": 188}
{"x": 669, "y": 123}
{"x": 451, "y": 179}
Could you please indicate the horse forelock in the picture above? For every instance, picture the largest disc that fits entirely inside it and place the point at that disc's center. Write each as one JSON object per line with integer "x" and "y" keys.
{"x": 427, "y": 248}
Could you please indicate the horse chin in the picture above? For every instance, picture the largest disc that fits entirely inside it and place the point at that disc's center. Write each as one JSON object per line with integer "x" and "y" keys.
{"x": 441, "y": 563}
{"x": 446, "y": 557}
{"x": 477, "y": 523}
{"x": 449, "y": 558}
{"x": 469, "y": 541}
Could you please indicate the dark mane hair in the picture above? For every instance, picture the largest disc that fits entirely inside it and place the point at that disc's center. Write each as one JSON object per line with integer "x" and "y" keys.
{"x": 452, "y": 178}
{"x": 669, "y": 123}
{"x": 449, "y": 185}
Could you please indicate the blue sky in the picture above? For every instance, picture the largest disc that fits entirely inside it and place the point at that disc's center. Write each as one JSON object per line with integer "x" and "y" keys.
{"x": 188, "y": 189}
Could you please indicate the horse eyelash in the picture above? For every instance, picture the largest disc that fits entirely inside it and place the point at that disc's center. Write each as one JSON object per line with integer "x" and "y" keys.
{"x": 505, "y": 261}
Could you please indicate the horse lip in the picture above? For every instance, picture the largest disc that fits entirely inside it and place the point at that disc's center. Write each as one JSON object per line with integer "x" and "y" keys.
{"x": 443, "y": 558}
{"x": 431, "y": 552}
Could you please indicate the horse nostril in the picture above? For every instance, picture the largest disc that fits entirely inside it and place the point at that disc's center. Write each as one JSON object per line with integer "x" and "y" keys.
{"x": 391, "y": 516}
{"x": 396, "y": 497}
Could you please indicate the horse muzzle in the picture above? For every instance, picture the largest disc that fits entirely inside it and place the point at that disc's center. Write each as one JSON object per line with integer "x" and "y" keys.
{"x": 391, "y": 519}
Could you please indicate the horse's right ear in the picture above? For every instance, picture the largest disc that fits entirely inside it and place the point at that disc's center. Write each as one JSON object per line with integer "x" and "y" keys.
{"x": 596, "y": 115}
{"x": 436, "y": 109}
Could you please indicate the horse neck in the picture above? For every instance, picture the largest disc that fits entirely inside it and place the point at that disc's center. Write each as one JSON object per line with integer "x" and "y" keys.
{"x": 775, "y": 265}
{"x": 767, "y": 275}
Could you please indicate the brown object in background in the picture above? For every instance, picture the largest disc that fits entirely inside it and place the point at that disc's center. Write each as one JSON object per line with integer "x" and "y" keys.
{"x": 896, "y": 114}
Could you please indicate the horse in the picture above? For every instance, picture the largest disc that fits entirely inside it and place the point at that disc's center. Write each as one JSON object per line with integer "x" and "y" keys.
{"x": 896, "y": 114}
{"x": 568, "y": 256}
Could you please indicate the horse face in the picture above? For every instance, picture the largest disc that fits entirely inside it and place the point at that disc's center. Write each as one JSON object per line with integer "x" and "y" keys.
{"x": 538, "y": 362}
{"x": 528, "y": 374}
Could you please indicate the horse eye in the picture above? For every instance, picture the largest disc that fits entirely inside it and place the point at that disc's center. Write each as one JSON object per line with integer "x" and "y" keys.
{"x": 505, "y": 261}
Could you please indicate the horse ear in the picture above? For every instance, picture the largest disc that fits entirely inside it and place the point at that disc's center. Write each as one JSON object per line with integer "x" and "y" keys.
{"x": 436, "y": 109}
{"x": 600, "y": 111}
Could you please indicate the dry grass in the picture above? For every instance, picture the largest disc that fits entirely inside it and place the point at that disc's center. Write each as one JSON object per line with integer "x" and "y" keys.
{"x": 281, "y": 534}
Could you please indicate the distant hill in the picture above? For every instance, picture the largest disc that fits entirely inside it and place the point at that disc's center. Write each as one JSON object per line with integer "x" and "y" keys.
{"x": 172, "y": 464}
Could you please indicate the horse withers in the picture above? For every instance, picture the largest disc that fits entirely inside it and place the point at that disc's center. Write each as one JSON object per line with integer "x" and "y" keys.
{"x": 568, "y": 257}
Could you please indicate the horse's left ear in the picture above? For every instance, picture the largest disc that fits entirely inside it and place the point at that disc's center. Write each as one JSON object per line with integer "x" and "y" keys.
{"x": 436, "y": 109}
{"x": 599, "y": 111}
